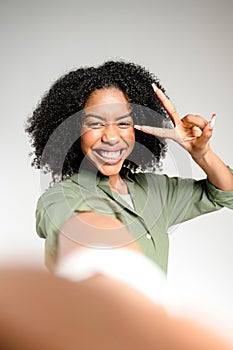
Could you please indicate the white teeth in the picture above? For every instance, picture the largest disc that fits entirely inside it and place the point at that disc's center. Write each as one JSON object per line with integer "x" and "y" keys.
{"x": 110, "y": 154}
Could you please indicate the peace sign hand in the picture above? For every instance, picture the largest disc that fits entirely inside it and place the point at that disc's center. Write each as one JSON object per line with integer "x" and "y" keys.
{"x": 192, "y": 132}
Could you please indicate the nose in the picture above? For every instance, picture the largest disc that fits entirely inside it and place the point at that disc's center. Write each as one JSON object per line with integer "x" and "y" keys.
{"x": 111, "y": 134}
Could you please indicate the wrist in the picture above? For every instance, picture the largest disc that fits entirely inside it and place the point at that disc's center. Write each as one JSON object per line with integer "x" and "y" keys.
{"x": 202, "y": 157}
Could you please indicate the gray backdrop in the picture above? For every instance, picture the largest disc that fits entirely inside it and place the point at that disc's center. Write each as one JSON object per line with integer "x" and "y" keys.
{"x": 188, "y": 44}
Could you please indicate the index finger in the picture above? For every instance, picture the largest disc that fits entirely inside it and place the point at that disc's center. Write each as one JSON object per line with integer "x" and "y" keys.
{"x": 167, "y": 105}
{"x": 161, "y": 132}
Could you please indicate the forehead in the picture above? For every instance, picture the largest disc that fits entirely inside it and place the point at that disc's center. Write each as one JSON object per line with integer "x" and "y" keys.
{"x": 109, "y": 102}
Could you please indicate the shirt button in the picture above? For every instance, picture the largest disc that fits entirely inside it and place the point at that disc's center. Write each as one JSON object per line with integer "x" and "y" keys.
{"x": 148, "y": 236}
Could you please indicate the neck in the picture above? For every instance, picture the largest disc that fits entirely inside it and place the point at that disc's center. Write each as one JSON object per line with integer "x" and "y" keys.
{"x": 117, "y": 184}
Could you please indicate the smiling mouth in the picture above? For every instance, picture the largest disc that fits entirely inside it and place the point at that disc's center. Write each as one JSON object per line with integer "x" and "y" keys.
{"x": 110, "y": 157}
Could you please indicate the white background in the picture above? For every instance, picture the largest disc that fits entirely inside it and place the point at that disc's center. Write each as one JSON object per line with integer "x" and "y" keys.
{"x": 187, "y": 44}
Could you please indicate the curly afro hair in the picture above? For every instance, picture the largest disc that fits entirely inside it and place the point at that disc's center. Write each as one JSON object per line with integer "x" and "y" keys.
{"x": 57, "y": 144}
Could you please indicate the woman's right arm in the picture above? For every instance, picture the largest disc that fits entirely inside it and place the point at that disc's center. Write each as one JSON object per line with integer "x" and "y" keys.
{"x": 93, "y": 230}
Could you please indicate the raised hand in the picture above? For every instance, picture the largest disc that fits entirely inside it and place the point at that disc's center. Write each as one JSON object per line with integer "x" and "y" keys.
{"x": 193, "y": 132}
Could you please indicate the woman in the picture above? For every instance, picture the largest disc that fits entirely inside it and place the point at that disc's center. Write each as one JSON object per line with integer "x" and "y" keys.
{"x": 91, "y": 131}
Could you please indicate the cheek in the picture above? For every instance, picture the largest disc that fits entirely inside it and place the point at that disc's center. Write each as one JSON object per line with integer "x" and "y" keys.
{"x": 130, "y": 136}
{"x": 87, "y": 141}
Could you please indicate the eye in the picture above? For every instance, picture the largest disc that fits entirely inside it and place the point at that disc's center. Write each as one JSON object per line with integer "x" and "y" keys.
{"x": 125, "y": 124}
{"x": 93, "y": 125}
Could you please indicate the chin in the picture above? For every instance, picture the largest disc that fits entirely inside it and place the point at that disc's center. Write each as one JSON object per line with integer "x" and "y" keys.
{"x": 109, "y": 170}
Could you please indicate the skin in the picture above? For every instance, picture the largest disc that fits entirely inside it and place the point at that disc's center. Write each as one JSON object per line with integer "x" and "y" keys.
{"x": 90, "y": 229}
{"x": 193, "y": 133}
{"x": 109, "y": 104}
{"x": 98, "y": 313}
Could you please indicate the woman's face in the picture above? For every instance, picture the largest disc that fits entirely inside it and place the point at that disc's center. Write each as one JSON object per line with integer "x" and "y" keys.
{"x": 108, "y": 135}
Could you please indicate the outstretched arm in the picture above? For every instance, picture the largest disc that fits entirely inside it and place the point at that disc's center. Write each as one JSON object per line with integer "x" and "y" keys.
{"x": 193, "y": 133}
{"x": 98, "y": 313}
{"x": 92, "y": 230}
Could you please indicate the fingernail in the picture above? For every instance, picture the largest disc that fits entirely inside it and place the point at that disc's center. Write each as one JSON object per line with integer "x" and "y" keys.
{"x": 155, "y": 87}
{"x": 212, "y": 121}
{"x": 138, "y": 127}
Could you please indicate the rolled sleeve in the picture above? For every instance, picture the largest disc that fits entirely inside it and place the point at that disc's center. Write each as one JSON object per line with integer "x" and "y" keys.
{"x": 222, "y": 198}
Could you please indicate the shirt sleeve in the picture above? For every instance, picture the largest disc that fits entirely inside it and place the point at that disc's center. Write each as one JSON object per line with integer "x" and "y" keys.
{"x": 188, "y": 198}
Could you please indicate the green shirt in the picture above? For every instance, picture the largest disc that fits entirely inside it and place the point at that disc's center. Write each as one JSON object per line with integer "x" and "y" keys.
{"x": 159, "y": 202}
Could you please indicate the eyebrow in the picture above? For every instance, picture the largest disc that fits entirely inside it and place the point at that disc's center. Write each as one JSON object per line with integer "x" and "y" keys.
{"x": 104, "y": 119}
